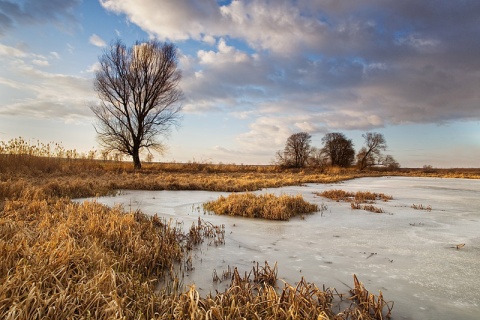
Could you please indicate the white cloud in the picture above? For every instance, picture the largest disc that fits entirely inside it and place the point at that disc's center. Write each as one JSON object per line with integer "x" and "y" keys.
{"x": 55, "y": 55}
{"x": 93, "y": 68}
{"x": 209, "y": 39}
{"x": 280, "y": 27}
{"x": 173, "y": 20}
{"x": 11, "y": 52}
{"x": 225, "y": 54}
{"x": 43, "y": 94}
{"x": 97, "y": 41}
{"x": 418, "y": 42}
{"x": 41, "y": 62}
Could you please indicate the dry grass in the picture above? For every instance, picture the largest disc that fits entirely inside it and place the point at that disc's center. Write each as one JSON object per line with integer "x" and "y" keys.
{"x": 357, "y": 199}
{"x": 265, "y": 206}
{"x": 62, "y": 260}
{"x": 369, "y": 303}
{"x": 422, "y": 207}
{"x": 366, "y": 207}
{"x": 258, "y": 298}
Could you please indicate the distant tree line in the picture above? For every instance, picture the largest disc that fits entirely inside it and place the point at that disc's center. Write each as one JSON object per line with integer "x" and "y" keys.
{"x": 337, "y": 150}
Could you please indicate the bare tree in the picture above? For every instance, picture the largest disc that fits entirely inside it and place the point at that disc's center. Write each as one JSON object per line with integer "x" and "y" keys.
{"x": 371, "y": 154}
{"x": 296, "y": 152}
{"x": 338, "y": 149}
{"x": 317, "y": 158}
{"x": 139, "y": 93}
{"x": 390, "y": 162}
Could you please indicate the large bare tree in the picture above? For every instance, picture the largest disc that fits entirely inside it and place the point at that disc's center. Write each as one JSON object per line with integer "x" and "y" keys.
{"x": 139, "y": 91}
{"x": 296, "y": 152}
{"x": 371, "y": 153}
{"x": 338, "y": 149}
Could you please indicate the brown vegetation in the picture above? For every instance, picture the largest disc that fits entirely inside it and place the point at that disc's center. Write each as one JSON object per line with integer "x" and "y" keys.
{"x": 357, "y": 199}
{"x": 265, "y": 206}
{"x": 66, "y": 260}
{"x": 421, "y": 207}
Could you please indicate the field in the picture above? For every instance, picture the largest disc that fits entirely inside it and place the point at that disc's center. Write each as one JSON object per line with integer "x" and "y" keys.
{"x": 66, "y": 260}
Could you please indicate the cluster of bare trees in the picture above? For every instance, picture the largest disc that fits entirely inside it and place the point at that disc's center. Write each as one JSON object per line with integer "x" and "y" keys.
{"x": 337, "y": 150}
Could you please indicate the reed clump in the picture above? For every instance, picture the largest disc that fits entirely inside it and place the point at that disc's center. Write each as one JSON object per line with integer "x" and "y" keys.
{"x": 248, "y": 298}
{"x": 359, "y": 196}
{"x": 366, "y": 207}
{"x": 205, "y": 230}
{"x": 360, "y": 200}
{"x": 265, "y": 206}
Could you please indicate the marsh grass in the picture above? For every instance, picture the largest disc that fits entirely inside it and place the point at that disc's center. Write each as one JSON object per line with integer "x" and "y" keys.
{"x": 265, "y": 206}
{"x": 369, "y": 303}
{"x": 360, "y": 200}
{"x": 358, "y": 197}
{"x": 64, "y": 260}
{"x": 205, "y": 230}
{"x": 366, "y": 207}
{"x": 256, "y": 296}
{"x": 421, "y": 207}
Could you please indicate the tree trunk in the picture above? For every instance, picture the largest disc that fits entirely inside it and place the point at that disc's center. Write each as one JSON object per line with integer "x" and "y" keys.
{"x": 136, "y": 160}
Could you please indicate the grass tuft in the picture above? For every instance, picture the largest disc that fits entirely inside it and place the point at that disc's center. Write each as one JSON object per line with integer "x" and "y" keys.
{"x": 265, "y": 206}
{"x": 359, "y": 196}
{"x": 357, "y": 199}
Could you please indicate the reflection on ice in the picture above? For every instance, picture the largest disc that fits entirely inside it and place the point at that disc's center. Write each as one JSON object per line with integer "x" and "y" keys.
{"x": 408, "y": 254}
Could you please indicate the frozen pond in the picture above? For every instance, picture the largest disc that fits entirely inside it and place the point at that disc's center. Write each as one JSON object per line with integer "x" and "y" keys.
{"x": 405, "y": 253}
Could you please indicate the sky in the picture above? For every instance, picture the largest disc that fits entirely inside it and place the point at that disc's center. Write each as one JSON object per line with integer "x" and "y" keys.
{"x": 256, "y": 71}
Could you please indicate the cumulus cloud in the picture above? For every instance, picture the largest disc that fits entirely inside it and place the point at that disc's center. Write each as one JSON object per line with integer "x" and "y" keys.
{"x": 298, "y": 65}
{"x": 97, "y": 41}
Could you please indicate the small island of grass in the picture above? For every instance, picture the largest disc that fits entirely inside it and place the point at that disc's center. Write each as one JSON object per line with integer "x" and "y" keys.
{"x": 265, "y": 206}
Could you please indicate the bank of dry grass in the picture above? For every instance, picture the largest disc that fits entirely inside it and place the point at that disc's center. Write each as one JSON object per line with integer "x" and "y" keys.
{"x": 63, "y": 260}
{"x": 265, "y": 206}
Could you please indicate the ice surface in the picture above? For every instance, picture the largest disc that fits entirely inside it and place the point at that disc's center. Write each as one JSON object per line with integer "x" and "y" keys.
{"x": 405, "y": 253}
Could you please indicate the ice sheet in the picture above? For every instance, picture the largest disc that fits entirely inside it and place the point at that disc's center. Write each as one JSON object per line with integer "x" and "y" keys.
{"x": 405, "y": 253}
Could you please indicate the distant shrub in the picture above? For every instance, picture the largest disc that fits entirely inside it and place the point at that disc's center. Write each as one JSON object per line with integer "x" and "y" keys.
{"x": 428, "y": 169}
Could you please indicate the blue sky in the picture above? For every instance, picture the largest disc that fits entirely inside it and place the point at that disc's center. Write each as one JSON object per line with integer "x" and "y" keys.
{"x": 256, "y": 71}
